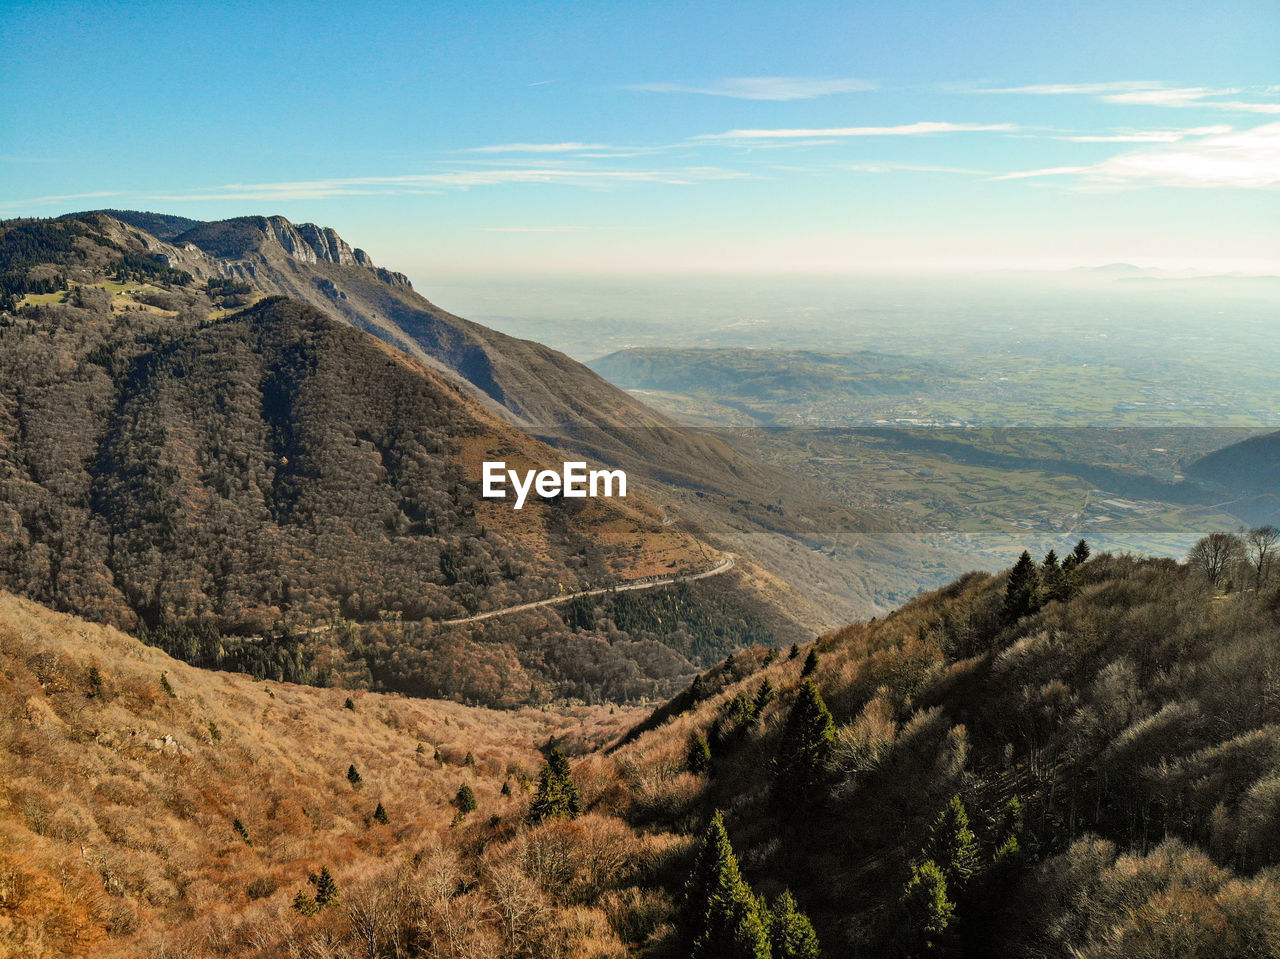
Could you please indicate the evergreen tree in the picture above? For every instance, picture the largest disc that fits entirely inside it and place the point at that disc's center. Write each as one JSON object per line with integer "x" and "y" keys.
{"x": 764, "y": 696}
{"x": 165, "y": 686}
{"x": 353, "y": 775}
{"x": 94, "y": 683}
{"x": 927, "y": 913}
{"x": 506, "y": 788}
{"x": 808, "y": 742}
{"x": 735, "y": 717}
{"x": 349, "y": 704}
{"x": 1022, "y": 595}
{"x": 380, "y": 815}
{"x": 698, "y": 754}
{"x": 1081, "y": 552}
{"x": 304, "y": 904}
{"x": 810, "y": 663}
{"x": 326, "y": 888}
{"x": 1055, "y": 578}
{"x": 698, "y": 688}
{"x": 241, "y": 831}
{"x": 722, "y": 917}
{"x": 557, "y": 796}
{"x": 795, "y": 651}
{"x": 465, "y": 800}
{"x": 791, "y": 934}
{"x": 952, "y": 846}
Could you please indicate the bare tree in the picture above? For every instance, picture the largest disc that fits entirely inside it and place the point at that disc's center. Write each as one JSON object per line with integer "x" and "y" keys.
{"x": 1261, "y": 546}
{"x": 1215, "y": 556}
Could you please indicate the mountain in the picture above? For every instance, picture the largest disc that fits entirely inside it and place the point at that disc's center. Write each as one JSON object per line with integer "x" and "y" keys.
{"x": 763, "y": 383}
{"x": 1082, "y": 765}
{"x": 821, "y": 561}
{"x": 272, "y": 491}
{"x": 1252, "y": 464}
{"x": 1250, "y": 467}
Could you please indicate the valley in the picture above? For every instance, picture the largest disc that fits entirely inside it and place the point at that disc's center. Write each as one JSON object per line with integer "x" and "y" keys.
{"x": 278, "y": 679}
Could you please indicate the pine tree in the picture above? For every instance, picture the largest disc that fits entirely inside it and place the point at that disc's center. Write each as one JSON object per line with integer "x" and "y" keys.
{"x": 353, "y": 775}
{"x": 506, "y": 788}
{"x": 241, "y": 831}
{"x": 698, "y": 688}
{"x": 1055, "y": 578}
{"x": 764, "y": 696}
{"x": 952, "y": 846}
{"x": 305, "y": 905}
{"x": 698, "y": 754}
{"x": 808, "y": 742}
{"x": 380, "y": 815}
{"x": 349, "y": 704}
{"x": 927, "y": 913}
{"x": 465, "y": 800}
{"x": 791, "y": 934}
{"x": 795, "y": 651}
{"x": 722, "y": 917}
{"x": 94, "y": 682}
{"x": 810, "y": 663}
{"x": 326, "y": 888}
{"x": 165, "y": 686}
{"x": 557, "y": 796}
{"x": 1022, "y": 595}
{"x": 1081, "y": 552}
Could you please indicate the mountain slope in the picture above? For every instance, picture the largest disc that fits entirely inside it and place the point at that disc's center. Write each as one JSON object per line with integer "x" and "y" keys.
{"x": 1251, "y": 468}
{"x": 1089, "y": 770}
{"x": 821, "y": 560}
{"x": 150, "y": 808}
{"x": 232, "y": 485}
{"x": 1134, "y": 718}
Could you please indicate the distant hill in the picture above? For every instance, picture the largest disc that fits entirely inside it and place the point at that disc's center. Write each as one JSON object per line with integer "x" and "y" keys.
{"x": 1250, "y": 467}
{"x": 1252, "y": 464}
{"x": 765, "y": 375}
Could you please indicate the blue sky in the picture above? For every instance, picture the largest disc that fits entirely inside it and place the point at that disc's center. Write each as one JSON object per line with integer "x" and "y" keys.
{"x": 643, "y": 136}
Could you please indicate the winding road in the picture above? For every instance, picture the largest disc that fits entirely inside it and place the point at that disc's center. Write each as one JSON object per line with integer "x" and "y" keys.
{"x": 723, "y": 566}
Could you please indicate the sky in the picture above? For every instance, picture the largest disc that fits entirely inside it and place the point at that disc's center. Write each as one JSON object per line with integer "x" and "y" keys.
{"x": 454, "y": 138}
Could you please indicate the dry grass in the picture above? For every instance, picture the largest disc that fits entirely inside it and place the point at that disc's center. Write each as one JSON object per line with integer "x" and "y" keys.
{"x": 118, "y": 800}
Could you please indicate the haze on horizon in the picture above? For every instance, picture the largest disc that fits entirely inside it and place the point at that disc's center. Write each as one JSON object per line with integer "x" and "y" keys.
{"x": 502, "y": 139}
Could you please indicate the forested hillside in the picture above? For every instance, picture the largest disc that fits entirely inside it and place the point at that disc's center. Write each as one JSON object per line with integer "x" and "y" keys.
{"x": 1070, "y": 759}
{"x": 1074, "y": 759}
{"x": 274, "y": 492}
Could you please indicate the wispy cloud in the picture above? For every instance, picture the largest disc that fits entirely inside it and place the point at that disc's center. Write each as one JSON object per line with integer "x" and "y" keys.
{"x": 913, "y": 168}
{"x": 568, "y": 147}
{"x": 532, "y": 229}
{"x": 1146, "y": 136}
{"x": 1154, "y": 93}
{"x": 1245, "y": 159}
{"x": 764, "y": 88}
{"x": 55, "y": 200}
{"x": 419, "y": 183}
{"x": 813, "y": 133}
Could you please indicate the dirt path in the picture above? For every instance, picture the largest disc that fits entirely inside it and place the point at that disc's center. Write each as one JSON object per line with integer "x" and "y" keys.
{"x": 723, "y": 566}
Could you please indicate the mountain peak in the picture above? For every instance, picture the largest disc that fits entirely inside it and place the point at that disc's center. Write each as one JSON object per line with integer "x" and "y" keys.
{"x": 241, "y": 236}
